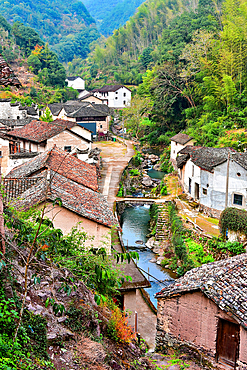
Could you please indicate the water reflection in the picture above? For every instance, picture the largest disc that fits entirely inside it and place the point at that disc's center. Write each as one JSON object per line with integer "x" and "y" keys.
{"x": 135, "y": 228}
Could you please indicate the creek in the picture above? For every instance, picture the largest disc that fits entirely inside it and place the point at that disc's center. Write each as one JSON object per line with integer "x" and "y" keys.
{"x": 134, "y": 223}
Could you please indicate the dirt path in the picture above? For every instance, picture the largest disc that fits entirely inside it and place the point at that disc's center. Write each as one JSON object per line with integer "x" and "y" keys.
{"x": 115, "y": 157}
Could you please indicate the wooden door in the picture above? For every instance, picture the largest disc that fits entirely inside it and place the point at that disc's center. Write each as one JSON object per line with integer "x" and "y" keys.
{"x": 227, "y": 342}
{"x": 196, "y": 190}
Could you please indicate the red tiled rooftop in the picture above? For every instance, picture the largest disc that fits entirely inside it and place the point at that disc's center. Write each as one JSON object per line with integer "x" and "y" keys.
{"x": 62, "y": 163}
{"x": 39, "y": 131}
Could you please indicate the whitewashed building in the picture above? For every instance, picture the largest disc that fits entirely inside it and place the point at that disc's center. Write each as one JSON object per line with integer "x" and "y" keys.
{"x": 203, "y": 174}
{"x": 178, "y": 142}
{"x": 16, "y": 111}
{"x": 116, "y": 96}
{"x": 76, "y": 83}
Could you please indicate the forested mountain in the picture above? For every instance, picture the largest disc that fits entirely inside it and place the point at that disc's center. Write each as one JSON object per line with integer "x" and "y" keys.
{"x": 188, "y": 61}
{"x": 42, "y": 75}
{"x": 111, "y": 14}
{"x": 66, "y": 25}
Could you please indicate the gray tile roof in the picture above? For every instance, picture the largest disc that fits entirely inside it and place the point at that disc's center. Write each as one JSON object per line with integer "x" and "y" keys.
{"x": 16, "y": 122}
{"x": 224, "y": 282}
{"x": 89, "y": 111}
{"x": 208, "y": 158}
{"x": 110, "y": 88}
{"x": 181, "y": 138}
{"x": 72, "y": 78}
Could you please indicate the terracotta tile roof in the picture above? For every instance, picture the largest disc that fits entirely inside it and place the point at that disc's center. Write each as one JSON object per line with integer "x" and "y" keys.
{"x": 61, "y": 162}
{"x": 181, "y": 138}
{"x": 75, "y": 197}
{"x": 38, "y": 131}
{"x": 7, "y": 76}
{"x": 224, "y": 282}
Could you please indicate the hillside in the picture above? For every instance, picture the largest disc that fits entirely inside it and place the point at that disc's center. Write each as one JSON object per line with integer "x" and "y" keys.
{"x": 66, "y": 25}
{"x": 41, "y": 75}
{"x": 112, "y": 14}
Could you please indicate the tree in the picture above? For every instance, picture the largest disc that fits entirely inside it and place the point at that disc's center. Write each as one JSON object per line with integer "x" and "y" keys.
{"x": 34, "y": 62}
{"x": 46, "y": 116}
{"x": 134, "y": 113}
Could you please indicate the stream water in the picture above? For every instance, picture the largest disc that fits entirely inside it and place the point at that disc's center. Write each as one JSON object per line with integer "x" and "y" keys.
{"x": 134, "y": 222}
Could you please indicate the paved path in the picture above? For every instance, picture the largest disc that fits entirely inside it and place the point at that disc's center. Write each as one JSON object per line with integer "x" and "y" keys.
{"x": 115, "y": 157}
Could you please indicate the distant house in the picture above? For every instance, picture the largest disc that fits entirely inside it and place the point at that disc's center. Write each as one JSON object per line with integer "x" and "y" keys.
{"x": 76, "y": 83}
{"x": 75, "y": 183}
{"x": 91, "y": 98}
{"x": 116, "y": 96}
{"x": 93, "y": 116}
{"x": 206, "y": 310}
{"x": 178, "y": 142}
{"x": 16, "y": 111}
{"x": 203, "y": 174}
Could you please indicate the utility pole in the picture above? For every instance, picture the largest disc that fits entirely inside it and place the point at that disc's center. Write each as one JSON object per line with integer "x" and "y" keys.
{"x": 227, "y": 179}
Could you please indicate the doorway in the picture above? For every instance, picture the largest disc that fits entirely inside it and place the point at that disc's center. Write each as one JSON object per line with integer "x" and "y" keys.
{"x": 196, "y": 190}
{"x": 227, "y": 346}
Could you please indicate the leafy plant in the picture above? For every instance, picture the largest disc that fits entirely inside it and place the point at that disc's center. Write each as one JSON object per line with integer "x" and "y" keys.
{"x": 118, "y": 328}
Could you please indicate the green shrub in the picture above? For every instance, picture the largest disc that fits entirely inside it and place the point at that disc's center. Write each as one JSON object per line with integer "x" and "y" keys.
{"x": 134, "y": 172}
{"x": 233, "y": 219}
{"x": 232, "y": 247}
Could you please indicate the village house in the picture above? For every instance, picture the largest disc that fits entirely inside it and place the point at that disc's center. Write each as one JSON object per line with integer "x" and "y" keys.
{"x": 19, "y": 145}
{"x": 93, "y": 116}
{"x": 203, "y": 175}
{"x": 58, "y": 174}
{"x": 38, "y": 136}
{"x": 91, "y": 98}
{"x": 76, "y": 83}
{"x": 206, "y": 310}
{"x": 116, "y": 96}
{"x": 16, "y": 111}
{"x": 178, "y": 142}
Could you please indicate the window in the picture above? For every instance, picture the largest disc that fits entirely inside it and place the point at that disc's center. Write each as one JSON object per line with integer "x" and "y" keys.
{"x": 124, "y": 102}
{"x": 67, "y": 149}
{"x": 116, "y": 92}
{"x": 116, "y": 98}
{"x": 204, "y": 191}
{"x": 101, "y": 126}
{"x": 124, "y": 94}
{"x": 193, "y": 170}
{"x": 238, "y": 199}
{"x": 238, "y": 174}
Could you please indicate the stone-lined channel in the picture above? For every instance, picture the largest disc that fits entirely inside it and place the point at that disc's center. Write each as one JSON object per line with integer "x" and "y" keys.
{"x": 134, "y": 223}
